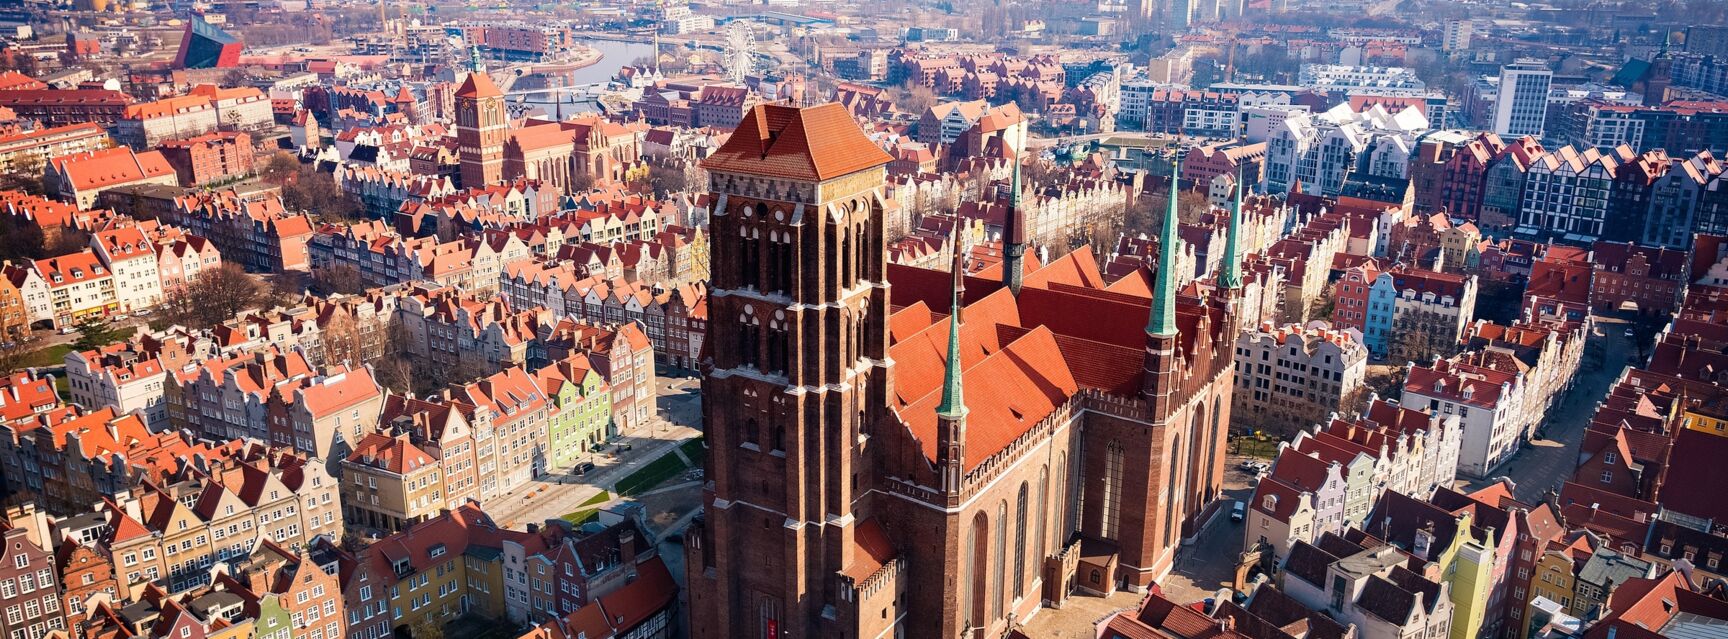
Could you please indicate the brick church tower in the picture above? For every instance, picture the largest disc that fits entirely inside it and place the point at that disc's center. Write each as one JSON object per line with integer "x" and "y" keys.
{"x": 480, "y": 130}
{"x": 878, "y": 466}
{"x": 801, "y": 309}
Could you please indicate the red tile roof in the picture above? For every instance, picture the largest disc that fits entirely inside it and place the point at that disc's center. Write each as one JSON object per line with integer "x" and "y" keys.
{"x": 478, "y": 85}
{"x": 811, "y": 144}
{"x": 394, "y": 454}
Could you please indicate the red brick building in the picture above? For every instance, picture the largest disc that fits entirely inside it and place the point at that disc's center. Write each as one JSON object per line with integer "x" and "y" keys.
{"x": 61, "y": 107}
{"x": 480, "y": 130}
{"x": 210, "y": 158}
{"x": 1559, "y": 285}
{"x": 1628, "y": 275}
{"x": 1036, "y": 432}
{"x": 86, "y": 577}
{"x": 1448, "y": 175}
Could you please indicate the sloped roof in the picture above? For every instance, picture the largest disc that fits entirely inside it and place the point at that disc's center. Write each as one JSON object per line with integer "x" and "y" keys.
{"x": 811, "y": 144}
{"x": 478, "y": 85}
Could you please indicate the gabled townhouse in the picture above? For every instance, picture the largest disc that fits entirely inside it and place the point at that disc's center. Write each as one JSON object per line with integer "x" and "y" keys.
{"x": 1376, "y": 587}
{"x": 1302, "y": 499}
{"x": 29, "y": 587}
{"x": 132, "y": 260}
{"x": 227, "y": 398}
{"x": 324, "y": 416}
{"x": 290, "y": 595}
{"x": 624, "y": 358}
{"x": 252, "y": 229}
{"x": 581, "y": 408}
{"x": 129, "y": 379}
{"x": 389, "y": 484}
{"x": 79, "y": 286}
{"x": 441, "y": 432}
{"x": 461, "y": 332}
{"x": 1458, "y": 549}
{"x": 179, "y": 262}
{"x": 1425, "y": 310}
{"x": 86, "y": 573}
{"x": 508, "y": 413}
{"x": 1491, "y": 403}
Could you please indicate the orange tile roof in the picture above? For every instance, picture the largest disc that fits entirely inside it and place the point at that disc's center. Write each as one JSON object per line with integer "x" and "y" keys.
{"x": 812, "y": 144}
{"x": 166, "y": 107}
{"x": 478, "y": 85}
{"x": 110, "y": 167}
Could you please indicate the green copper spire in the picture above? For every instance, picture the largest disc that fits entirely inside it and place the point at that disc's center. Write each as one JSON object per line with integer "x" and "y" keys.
{"x": 1014, "y": 236}
{"x": 953, "y": 406}
{"x": 1163, "y": 319}
{"x": 1231, "y": 277}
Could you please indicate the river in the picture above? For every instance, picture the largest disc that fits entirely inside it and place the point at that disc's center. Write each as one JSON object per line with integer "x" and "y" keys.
{"x": 614, "y": 55}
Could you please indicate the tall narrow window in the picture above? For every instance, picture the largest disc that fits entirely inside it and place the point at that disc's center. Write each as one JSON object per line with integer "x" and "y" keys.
{"x": 1042, "y": 548}
{"x": 1020, "y": 542}
{"x": 1112, "y": 490}
{"x": 1173, "y": 490}
{"x": 750, "y": 264}
{"x": 1000, "y": 564}
{"x": 974, "y": 576}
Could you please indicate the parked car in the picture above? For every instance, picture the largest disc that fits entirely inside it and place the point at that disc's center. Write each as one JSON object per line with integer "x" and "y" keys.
{"x": 1238, "y": 512}
{"x": 584, "y": 468}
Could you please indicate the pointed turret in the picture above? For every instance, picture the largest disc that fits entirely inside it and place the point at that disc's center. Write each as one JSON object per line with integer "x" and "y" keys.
{"x": 1163, "y": 318}
{"x": 953, "y": 406}
{"x": 1231, "y": 275}
{"x": 951, "y": 413}
{"x": 1014, "y": 236}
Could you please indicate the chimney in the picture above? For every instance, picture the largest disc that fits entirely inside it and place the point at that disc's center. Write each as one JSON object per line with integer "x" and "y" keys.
{"x": 627, "y": 544}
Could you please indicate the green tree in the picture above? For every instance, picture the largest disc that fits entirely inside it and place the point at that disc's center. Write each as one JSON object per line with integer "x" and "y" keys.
{"x": 94, "y": 332}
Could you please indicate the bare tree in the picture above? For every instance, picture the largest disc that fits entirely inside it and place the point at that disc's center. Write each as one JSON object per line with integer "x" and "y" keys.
{"x": 338, "y": 279}
{"x": 912, "y": 98}
{"x": 212, "y": 298}
{"x": 12, "y": 357}
{"x": 1420, "y": 336}
{"x": 342, "y": 340}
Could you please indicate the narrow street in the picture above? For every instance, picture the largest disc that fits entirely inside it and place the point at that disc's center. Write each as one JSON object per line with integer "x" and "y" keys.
{"x": 1547, "y": 462}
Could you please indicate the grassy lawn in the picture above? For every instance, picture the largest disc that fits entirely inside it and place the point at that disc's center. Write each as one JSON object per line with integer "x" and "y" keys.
{"x": 52, "y": 356}
{"x": 694, "y": 449}
{"x": 651, "y": 475}
{"x": 583, "y": 514}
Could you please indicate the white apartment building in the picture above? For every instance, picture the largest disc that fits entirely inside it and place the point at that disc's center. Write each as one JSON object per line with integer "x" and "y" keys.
{"x": 122, "y": 380}
{"x": 1456, "y": 36}
{"x": 79, "y": 286}
{"x": 1521, "y": 105}
{"x": 1490, "y": 404}
{"x": 1290, "y": 378}
{"x": 1351, "y": 77}
{"x": 1322, "y": 151}
{"x": 1258, "y": 122}
{"x": 132, "y": 260}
